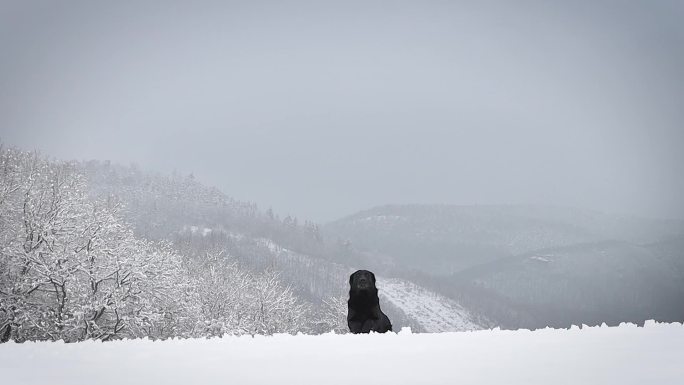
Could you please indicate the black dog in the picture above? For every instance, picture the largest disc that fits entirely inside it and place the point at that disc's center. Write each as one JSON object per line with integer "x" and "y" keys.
{"x": 364, "y": 313}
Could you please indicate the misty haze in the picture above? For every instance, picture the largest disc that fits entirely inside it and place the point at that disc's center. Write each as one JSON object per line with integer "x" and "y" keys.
{"x": 211, "y": 169}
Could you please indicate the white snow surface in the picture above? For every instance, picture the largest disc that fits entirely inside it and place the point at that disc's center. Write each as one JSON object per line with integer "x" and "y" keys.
{"x": 435, "y": 313}
{"x": 599, "y": 355}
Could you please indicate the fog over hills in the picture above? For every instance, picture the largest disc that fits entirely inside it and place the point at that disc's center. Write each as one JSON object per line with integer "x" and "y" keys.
{"x": 608, "y": 281}
{"x": 508, "y": 265}
{"x": 444, "y": 239}
{"x": 231, "y": 267}
{"x": 201, "y": 221}
{"x": 529, "y": 266}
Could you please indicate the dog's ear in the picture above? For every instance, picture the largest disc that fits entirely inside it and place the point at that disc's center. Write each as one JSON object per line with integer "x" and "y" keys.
{"x": 373, "y": 276}
{"x": 351, "y": 279}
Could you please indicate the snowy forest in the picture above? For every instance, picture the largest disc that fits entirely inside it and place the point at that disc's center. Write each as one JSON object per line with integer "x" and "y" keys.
{"x": 79, "y": 262}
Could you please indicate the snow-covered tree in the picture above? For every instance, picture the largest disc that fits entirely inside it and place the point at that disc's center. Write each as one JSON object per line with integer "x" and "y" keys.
{"x": 85, "y": 259}
{"x": 233, "y": 301}
{"x": 71, "y": 268}
{"x": 333, "y": 315}
{"x": 274, "y": 307}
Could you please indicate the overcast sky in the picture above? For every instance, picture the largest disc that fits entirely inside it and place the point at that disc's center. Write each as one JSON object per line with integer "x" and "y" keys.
{"x": 322, "y": 109}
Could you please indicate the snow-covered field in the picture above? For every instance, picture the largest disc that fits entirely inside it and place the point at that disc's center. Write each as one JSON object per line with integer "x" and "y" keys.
{"x": 435, "y": 313}
{"x": 621, "y": 355}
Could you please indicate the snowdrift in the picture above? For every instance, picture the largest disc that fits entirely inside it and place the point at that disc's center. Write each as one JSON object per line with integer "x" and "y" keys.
{"x": 591, "y": 355}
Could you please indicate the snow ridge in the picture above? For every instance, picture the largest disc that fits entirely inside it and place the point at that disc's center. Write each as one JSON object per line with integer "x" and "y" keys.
{"x": 622, "y": 355}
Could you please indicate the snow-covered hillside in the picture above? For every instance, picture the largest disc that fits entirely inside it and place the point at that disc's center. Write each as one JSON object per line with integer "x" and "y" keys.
{"x": 444, "y": 239}
{"x": 600, "y": 355}
{"x": 422, "y": 308}
{"x": 435, "y": 313}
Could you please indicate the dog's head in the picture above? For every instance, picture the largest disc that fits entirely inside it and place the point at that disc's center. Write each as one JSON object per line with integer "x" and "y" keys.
{"x": 362, "y": 280}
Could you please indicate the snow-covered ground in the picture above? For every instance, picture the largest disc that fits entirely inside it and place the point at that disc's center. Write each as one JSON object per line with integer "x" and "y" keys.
{"x": 621, "y": 355}
{"x": 435, "y": 313}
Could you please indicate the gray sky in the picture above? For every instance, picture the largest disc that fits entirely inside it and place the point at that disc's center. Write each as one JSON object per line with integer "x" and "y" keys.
{"x": 322, "y": 109}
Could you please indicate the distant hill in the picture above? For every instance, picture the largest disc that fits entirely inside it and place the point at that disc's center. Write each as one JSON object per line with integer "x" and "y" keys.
{"x": 592, "y": 283}
{"x": 444, "y": 239}
{"x": 528, "y": 266}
